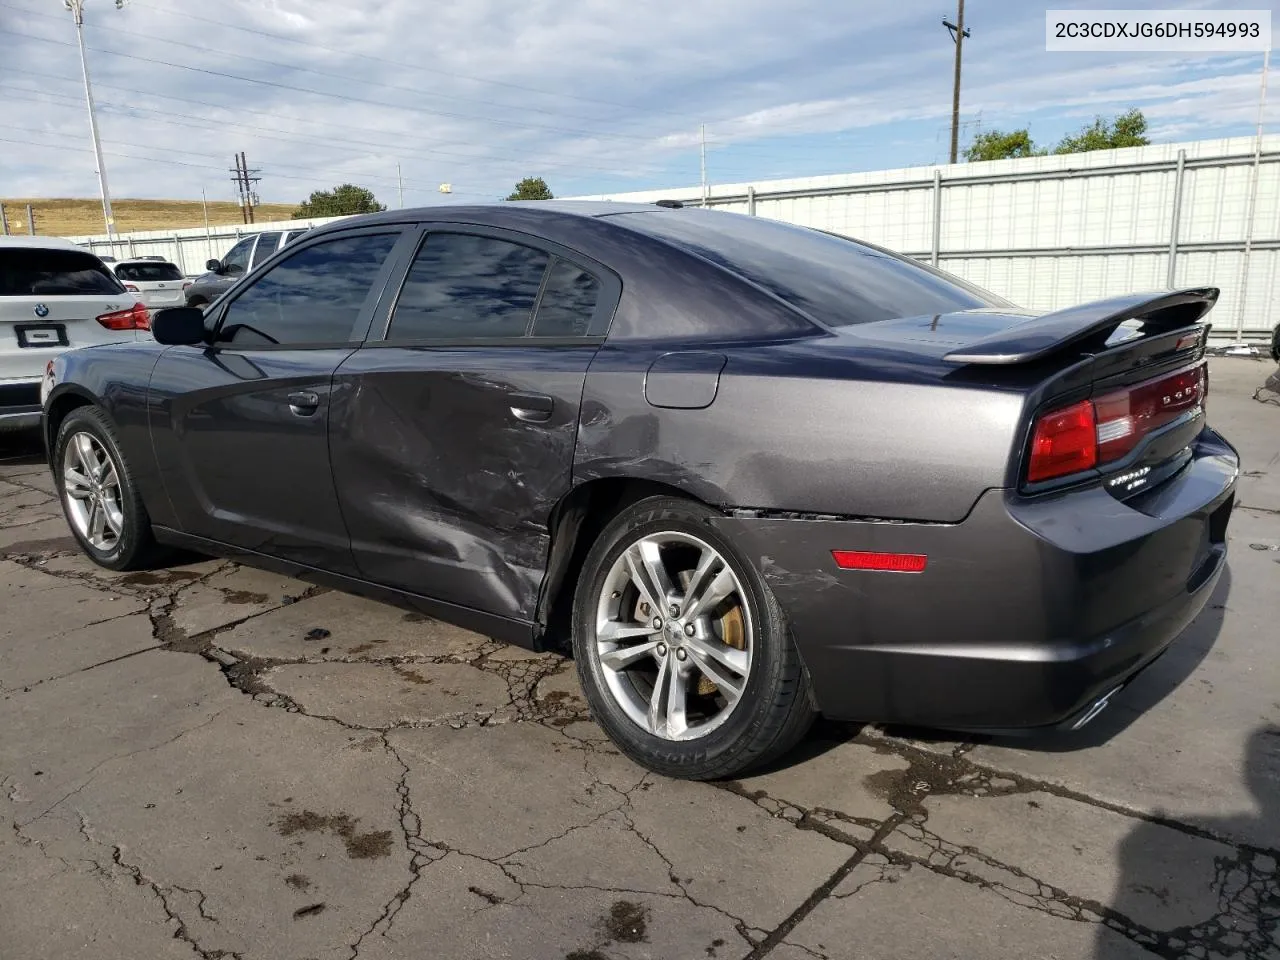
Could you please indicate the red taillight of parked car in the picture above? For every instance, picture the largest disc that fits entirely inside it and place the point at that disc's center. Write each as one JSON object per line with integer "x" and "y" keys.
{"x": 1095, "y": 432}
{"x": 131, "y": 288}
{"x": 135, "y": 318}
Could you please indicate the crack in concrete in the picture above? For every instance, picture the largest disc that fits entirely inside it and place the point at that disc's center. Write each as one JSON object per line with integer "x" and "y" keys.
{"x": 1249, "y": 892}
{"x": 779, "y": 933}
{"x": 27, "y": 688}
{"x": 162, "y": 894}
{"x": 94, "y": 770}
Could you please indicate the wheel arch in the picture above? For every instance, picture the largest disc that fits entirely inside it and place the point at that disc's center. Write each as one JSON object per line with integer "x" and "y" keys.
{"x": 576, "y": 522}
{"x": 61, "y": 403}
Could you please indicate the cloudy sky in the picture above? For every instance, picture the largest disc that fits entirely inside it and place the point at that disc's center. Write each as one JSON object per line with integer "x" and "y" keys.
{"x": 593, "y": 95}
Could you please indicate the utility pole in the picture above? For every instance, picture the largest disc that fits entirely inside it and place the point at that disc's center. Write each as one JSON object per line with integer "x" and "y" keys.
{"x": 958, "y": 33}
{"x": 702, "y": 139}
{"x": 77, "y": 10}
{"x": 245, "y": 179}
{"x": 400, "y": 181}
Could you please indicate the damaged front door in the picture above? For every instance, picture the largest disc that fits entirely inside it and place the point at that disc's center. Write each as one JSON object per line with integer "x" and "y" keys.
{"x": 454, "y": 434}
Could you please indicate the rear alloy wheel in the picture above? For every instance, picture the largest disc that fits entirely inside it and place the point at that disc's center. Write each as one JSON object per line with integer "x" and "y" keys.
{"x": 98, "y": 495}
{"x": 681, "y": 649}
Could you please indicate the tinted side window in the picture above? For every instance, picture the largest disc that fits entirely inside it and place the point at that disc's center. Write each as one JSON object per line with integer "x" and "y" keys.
{"x": 32, "y": 272}
{"x": 568, "y": 301}
{"x": 237, "y": 259}
{"x": 267, "y": 243}
{"x": 463, "y": 286}
{"x": 313, "y": 296}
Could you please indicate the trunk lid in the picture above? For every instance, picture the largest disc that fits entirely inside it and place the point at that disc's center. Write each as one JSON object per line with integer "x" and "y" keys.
{"x": 1124, "y": 377}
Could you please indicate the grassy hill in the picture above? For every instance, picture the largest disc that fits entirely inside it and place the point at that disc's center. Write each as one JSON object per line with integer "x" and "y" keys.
{"x": 61, "y": 218}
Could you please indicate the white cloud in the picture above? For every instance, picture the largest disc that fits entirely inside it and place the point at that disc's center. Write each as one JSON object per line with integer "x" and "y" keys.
{"x": 587, "y": 93}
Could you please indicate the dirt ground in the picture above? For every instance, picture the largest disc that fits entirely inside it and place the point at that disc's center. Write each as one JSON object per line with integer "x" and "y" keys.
{"x": 218, "y": 762}
{"x": 76, "y": 218}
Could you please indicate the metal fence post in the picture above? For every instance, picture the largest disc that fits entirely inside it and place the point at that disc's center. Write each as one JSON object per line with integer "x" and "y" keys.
{"x": 31, "y": 220}
{"x": 937, "y": 215}
{"x": 177, "y": 251}
{"x": 751, "y": 201}
{"x": 1175, "y": 224}
{"x": 4, "y": 221}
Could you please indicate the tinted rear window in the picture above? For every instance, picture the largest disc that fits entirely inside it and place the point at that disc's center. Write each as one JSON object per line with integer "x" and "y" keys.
{"x": 568, "y": 301}
{"x": 32, "y": 272}
{"x": 148, "y": 272}
{"x": 838, "y": 282}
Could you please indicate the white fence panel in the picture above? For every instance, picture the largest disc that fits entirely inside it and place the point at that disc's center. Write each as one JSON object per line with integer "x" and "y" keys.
{"x": 1045, "y": 232}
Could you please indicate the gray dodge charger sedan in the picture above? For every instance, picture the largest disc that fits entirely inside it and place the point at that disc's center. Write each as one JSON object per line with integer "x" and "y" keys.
{"x": 750, "y": 472}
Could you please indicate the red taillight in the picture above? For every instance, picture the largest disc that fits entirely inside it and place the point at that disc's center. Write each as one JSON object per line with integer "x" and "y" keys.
{"x": 1126, "y": 416}
{"x": 1094, "y": 432}
{"x": 135, "y": 318}
{"x": 895, "y": 562}
{"x": 185, "y": 284}
{"x": 1064, "y": 442}
{"x": 131, "y": 288}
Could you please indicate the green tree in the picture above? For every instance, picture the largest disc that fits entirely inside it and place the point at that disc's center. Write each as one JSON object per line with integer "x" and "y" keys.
{"x": 341, "y": 201}
{"x": 999, "y": 145}
{"x": 531, "y": 188}
{"x": 1127, "y": 130}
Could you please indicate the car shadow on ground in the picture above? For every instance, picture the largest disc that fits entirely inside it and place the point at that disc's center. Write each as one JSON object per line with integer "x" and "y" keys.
{"x": 1148, "y": 689}
{"x": 21, "y": 448}
{"x": 1239, "y": 916}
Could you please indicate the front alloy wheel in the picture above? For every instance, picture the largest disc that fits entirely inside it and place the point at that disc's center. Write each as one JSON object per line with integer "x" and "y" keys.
{"x": 91, "y": 492}
{"x": 98, "y": 494}
{"x": 683, "y": 654}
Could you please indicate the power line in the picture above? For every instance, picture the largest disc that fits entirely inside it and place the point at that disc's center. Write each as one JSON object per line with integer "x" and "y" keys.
{"x": 387, "y": 104}
{"x": 349, "y": 79}
{"x": 210, "y": 166}
{"x": 273, "y": 133}
{"x": 523, "y": 88}
{"x": 169, "y": 42}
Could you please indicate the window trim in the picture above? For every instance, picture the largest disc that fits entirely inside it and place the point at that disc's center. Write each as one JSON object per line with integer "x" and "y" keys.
{"x": 373, "y": 299}
{"x": 597, "y": 329}
{"x": 253, "y": 260}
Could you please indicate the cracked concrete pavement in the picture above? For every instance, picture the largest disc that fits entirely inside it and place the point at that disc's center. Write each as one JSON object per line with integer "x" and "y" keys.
{"x": 219, "y": 762}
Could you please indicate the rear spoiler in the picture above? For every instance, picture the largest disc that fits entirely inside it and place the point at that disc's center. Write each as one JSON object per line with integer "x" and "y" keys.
{"x": 1038, "y": 338}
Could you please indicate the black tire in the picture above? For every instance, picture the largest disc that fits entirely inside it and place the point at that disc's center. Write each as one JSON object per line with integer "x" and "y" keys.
{"x": 135, "y": 548}
{"x": 775, "y": 709}
{"x": 1275, "y": 344}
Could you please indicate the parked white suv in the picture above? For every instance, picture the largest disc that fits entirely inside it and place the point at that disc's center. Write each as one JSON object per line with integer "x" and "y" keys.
{"x": 157, "y": 282}
{"x": 54, "y": 296}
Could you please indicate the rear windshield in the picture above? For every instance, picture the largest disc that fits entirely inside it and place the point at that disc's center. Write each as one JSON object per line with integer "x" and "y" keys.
{"x": 32, "y": 272}
{"x": 147, "y": 272}
{"x": 836, "y": 281}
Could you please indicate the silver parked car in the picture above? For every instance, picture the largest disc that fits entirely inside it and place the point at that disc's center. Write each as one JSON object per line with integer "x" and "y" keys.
{"x": 158, "y": 283}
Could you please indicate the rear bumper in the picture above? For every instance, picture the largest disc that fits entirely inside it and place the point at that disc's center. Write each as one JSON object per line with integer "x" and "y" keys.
{"x": 1027, "y": 612}
{"x": 19, "y": 403}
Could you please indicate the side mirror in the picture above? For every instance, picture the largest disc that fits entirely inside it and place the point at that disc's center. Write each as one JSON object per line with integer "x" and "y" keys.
{"x": 213, "y": 266}
{"x": 178, "y": 326}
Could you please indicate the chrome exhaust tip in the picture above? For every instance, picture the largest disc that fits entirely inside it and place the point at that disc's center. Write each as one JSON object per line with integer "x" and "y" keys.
{"x": 1098, "y": 706}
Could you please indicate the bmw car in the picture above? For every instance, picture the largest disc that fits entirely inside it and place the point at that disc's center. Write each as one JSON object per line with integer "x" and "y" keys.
{"x": 54, "y": 296}
{"x": 748, "y": 472}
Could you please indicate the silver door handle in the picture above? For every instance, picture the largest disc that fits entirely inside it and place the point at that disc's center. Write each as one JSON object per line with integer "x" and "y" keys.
{"x": 304, "y": 403}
